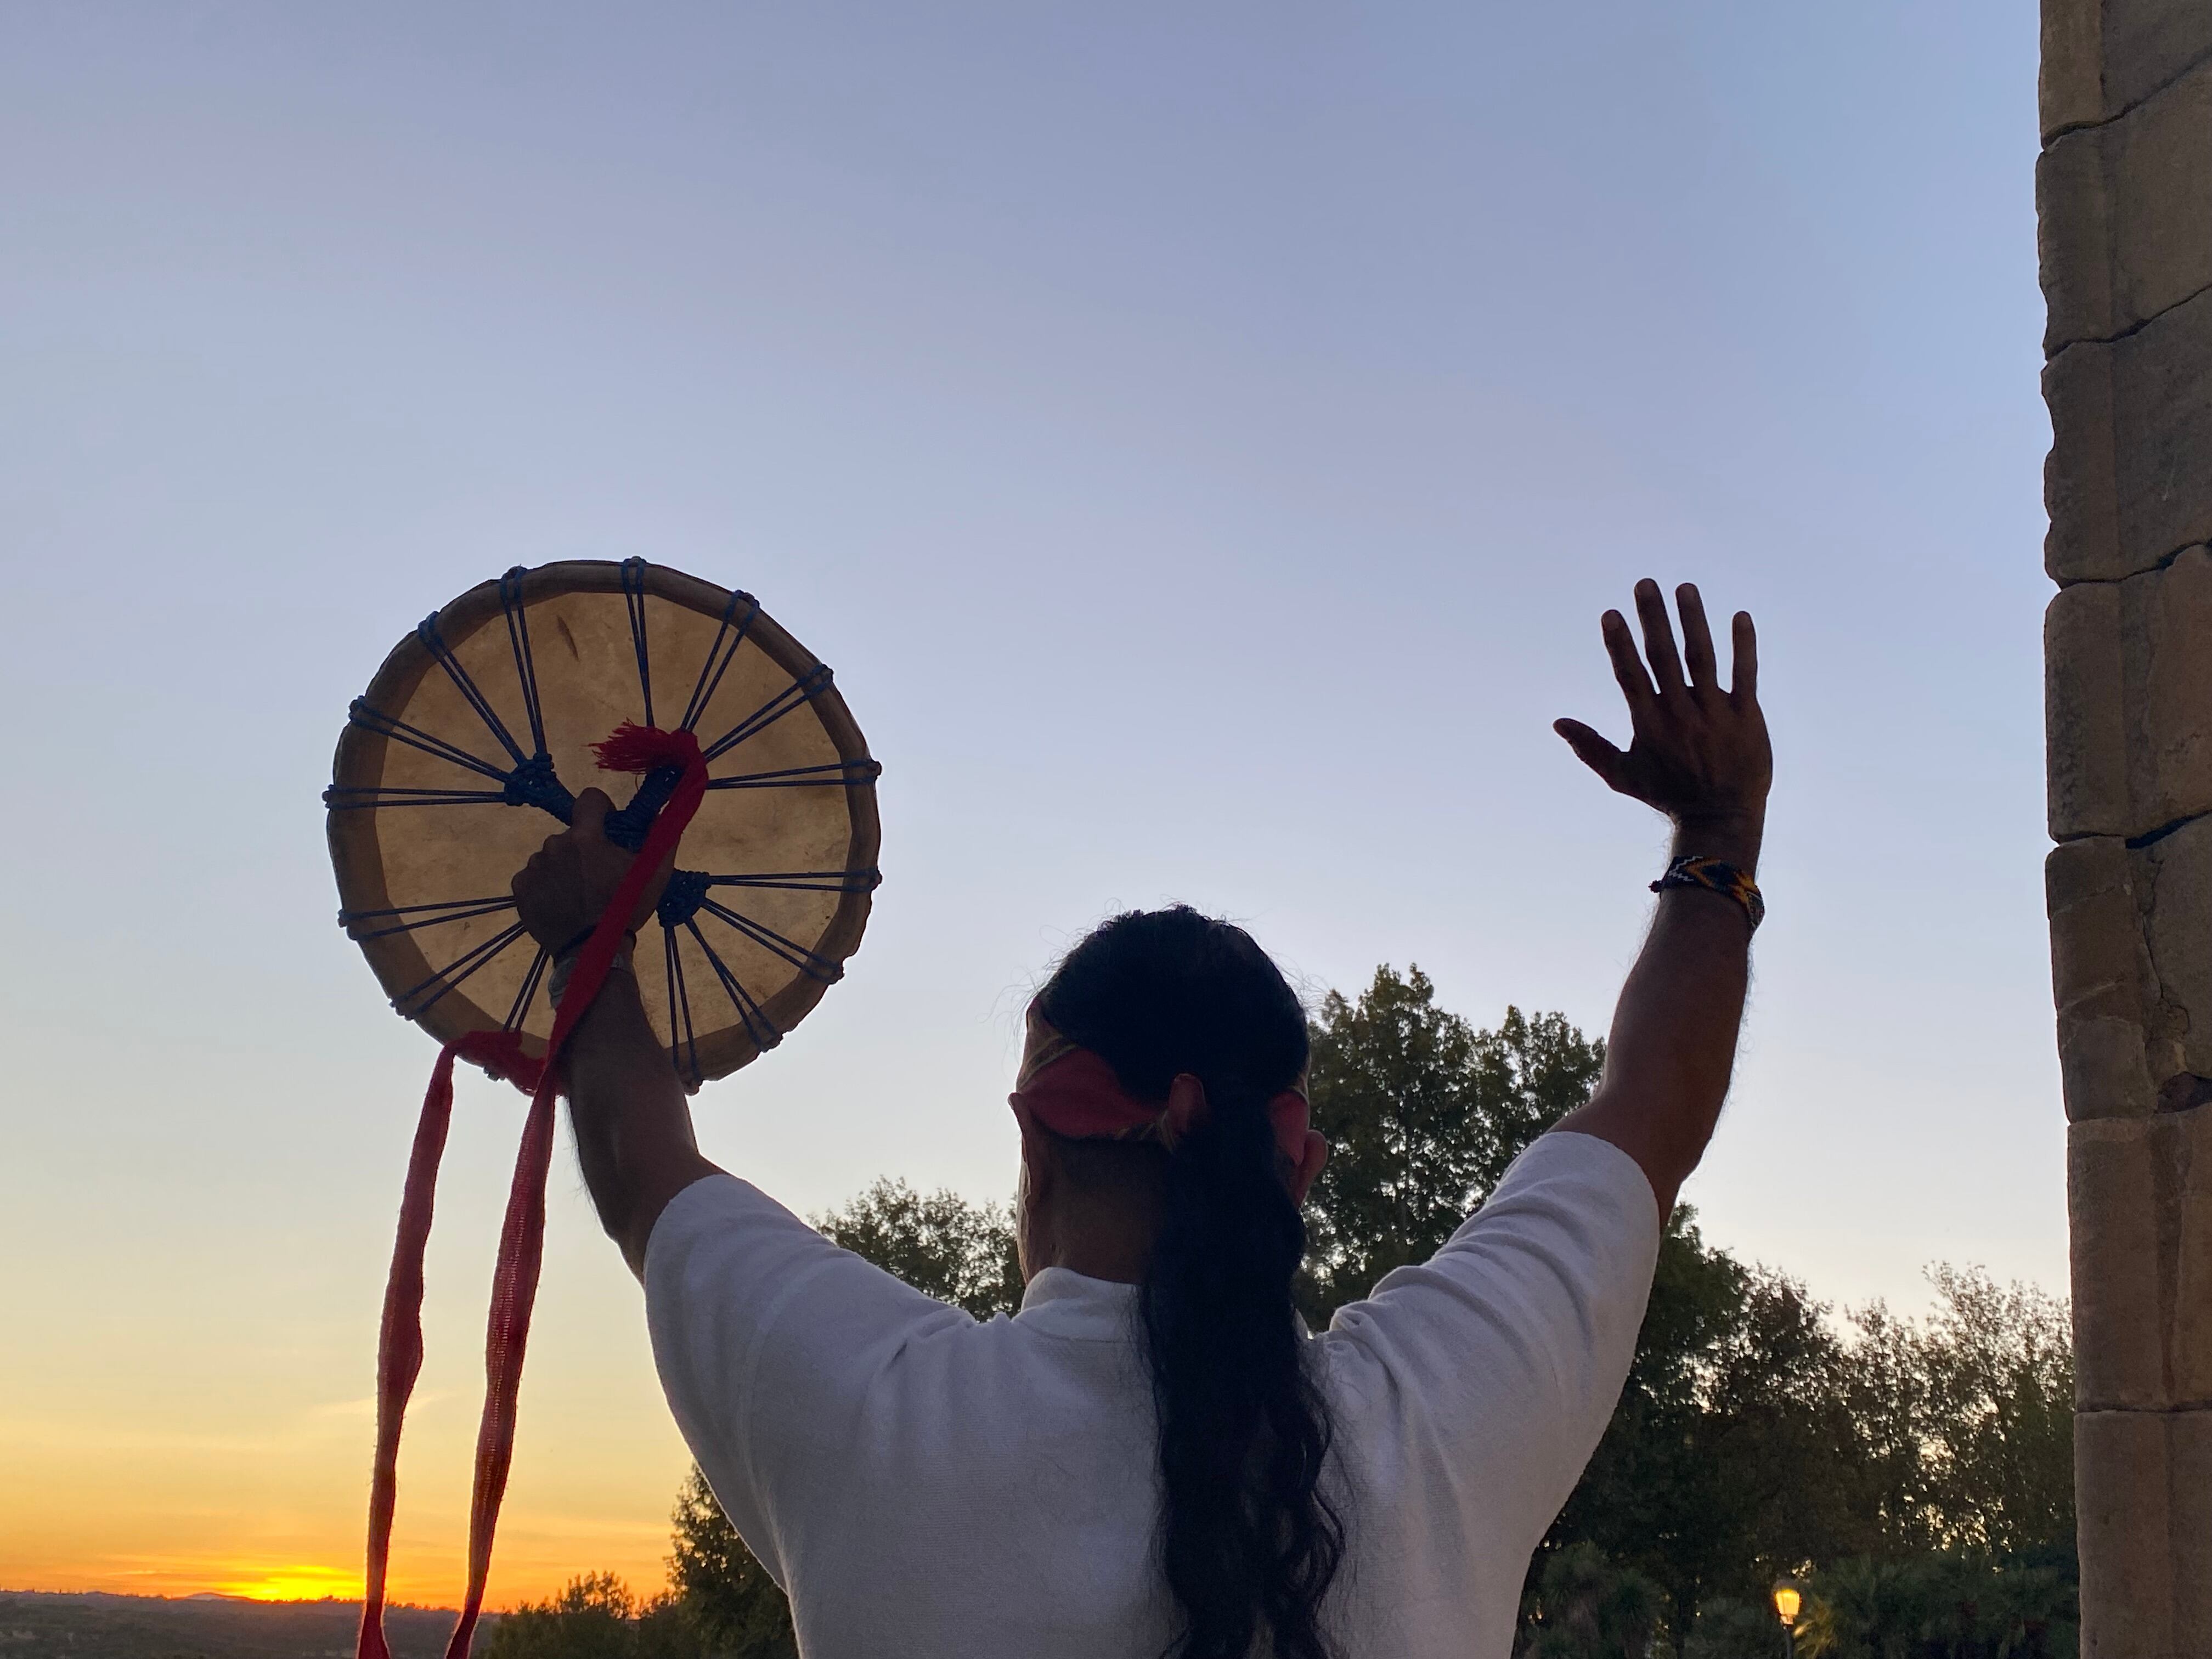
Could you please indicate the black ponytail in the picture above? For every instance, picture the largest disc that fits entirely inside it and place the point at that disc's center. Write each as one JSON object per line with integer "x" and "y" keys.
{"x": 1249, "y": 1540}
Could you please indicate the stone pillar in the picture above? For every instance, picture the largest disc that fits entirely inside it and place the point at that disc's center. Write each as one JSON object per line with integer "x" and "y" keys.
{"x": 2124, "y": 198}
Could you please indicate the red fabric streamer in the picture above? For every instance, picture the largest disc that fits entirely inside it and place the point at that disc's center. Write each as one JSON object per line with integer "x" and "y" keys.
{"x": 522, "y": 1235}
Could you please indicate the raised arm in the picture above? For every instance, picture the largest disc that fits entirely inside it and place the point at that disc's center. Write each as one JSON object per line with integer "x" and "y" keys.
{"x": 1698, "y": 754}
{"x": 632, "y": 1119}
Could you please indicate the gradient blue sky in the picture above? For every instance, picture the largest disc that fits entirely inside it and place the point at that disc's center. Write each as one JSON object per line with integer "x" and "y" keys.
{"x": 1202, "y": 440}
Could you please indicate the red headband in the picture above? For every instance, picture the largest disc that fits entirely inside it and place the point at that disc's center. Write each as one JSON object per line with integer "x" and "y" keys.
{"x": 1074, "y": 1092}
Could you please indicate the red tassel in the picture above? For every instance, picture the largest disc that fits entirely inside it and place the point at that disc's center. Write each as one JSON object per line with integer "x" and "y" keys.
{"x": 400, "y": 1343}
{"x": 522, "y": 1235}
{"x": 642, "y": 748}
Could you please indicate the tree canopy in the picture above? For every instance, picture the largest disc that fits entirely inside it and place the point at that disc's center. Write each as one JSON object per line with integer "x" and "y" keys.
{"x": 1423, "y": 1113}
{"x": 955, "y": 1250}
{"x": 596, "y": 1617}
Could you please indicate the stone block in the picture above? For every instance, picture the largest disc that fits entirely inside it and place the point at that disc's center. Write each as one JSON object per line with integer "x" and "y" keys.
{"x": 2139, "y": 1203}
{"x": 2095, "y": 928}
{"x": 2103, "y": 1068}
{"x": 2159, "y": 158}
{"x": 2081, "y": 483}
{"x": 2144, "y": 45}
{"x": 2144, "y": 1485}
{"x": 2119, "y": 1352}
{"x": 2073, "y": 240}
{"x": 2071, "y": 88}
{"x": 2166, "y": 632}
{"x": 2129, "y": 481}
{"x": 2101, "y": 976}
{"x": 2101, "y": 57}
{"x": 2173, "y": 880}
{"x": 2124, "y": 215}
{"x": 2127, "y": 701}
{"x": 2084, "y": 728}
{"x": 2124, "y": 1525}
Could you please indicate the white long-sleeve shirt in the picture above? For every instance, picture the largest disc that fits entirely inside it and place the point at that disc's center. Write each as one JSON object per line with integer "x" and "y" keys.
{"x": 927, "y": 1486}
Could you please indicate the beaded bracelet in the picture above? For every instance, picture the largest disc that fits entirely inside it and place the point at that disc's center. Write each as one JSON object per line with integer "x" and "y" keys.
{"x": 1691, "y": 870}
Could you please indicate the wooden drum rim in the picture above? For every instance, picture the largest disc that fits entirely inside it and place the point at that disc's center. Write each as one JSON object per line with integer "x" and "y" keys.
{"x": 399, "y": 959}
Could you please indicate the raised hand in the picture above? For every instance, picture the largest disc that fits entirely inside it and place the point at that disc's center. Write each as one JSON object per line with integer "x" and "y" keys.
{"x": 1699, "y": 754}
{"x": 560, "y": 893}
{"x": 1696, "y": 752}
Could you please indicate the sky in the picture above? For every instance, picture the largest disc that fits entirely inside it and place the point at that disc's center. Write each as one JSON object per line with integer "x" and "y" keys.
{"x": 1201, "y": 439}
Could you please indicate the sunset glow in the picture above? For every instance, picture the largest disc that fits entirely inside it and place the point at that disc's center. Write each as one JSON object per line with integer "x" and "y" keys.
{"x": 294, "y": 1584}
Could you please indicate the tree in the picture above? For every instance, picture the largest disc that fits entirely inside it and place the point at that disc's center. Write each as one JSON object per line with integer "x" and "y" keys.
{"x": 1586, "y": 1607}
{"x": 1728, "y": 1459}
{"x": 942, "y": 1244}
{"x": 734, "y": 1604}
{"x": 1948, "y": 1605}
{"x": 1999, "y": 1365}
{"x": 1729, "y": 1629}
{"x": 1423, "y": 1114}
{"x": 1966, "y": 1421}
{"x": 596, "y": 1617}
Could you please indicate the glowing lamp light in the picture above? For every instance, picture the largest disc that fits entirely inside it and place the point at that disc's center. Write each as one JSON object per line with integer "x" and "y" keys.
{"x": 1787, "y": 1601}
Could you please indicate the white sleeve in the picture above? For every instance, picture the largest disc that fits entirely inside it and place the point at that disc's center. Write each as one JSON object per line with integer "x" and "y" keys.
{"x": 767, "y": 1337}
{"x": 1498, "y": 1362}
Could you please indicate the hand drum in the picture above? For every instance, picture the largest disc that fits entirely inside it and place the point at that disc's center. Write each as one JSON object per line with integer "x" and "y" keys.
{"x": 476, "y": 734}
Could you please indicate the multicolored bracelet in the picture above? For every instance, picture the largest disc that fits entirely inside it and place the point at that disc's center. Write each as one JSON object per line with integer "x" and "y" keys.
{"x": 1691, "y": 870}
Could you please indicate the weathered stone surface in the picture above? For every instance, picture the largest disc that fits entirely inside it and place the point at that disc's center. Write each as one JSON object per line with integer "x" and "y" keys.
{"x": 2127, "y": 482}
{"x": 2139, "y": 1200}
{"x": 2101, "y": 973}
{"x": 2084, "y": 728}
{"x": 2144, "y": 1483}
{"x": 2127, "y": 701}
{"x": 2102, "y": 1068}
{"x": 2166, "y": 652}
{"x": 2124, "y": 1528}
{"x": 2070, "y": 86}
{"x": 2123, "y": 216}
{"x": 2081, "y": 483}
{"x": 2172, "y": 881}
{"x": 2124, "y": 240}
{"x": 2160, "y": 163}
{"x": 2119, "y": 1360}
{"x": 2148, "y": 42}
{"x": 2073, "y": 240}
{"x": 2101, "y": 57}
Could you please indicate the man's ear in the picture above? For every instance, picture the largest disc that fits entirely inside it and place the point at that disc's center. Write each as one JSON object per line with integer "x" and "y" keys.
{"x": 1186, "y": 1107}
{"x": 1311, "y": 1156}
{"x": 1040, "y": 1170}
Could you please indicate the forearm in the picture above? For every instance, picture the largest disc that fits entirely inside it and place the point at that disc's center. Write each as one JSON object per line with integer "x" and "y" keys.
{"x": 1672, "y": 1050}
{"x": 632, "y": 1119}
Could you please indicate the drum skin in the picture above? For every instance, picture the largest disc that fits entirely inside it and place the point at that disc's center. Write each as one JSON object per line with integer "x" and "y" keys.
{"x": 439, "y": 796}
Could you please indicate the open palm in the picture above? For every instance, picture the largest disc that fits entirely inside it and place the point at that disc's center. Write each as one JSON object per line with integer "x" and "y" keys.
{"x": 1697, "y": 752}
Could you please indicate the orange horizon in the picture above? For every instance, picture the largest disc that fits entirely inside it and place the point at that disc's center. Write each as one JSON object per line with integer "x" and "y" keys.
{"x": 295, "y": 1584}
{"x": 539, "y": 1553}
{"x": 240, "y": 1466}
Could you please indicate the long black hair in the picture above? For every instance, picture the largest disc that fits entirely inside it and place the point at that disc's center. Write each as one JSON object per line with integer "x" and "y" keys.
{"x": 1248, "y": 1538}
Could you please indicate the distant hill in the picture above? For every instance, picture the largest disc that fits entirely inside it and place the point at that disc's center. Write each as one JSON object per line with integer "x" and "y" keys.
{"x": 34, "y": 1625}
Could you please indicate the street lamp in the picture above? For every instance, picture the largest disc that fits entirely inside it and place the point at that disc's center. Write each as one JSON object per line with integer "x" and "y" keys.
{"x": 1787, "y": 1600}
